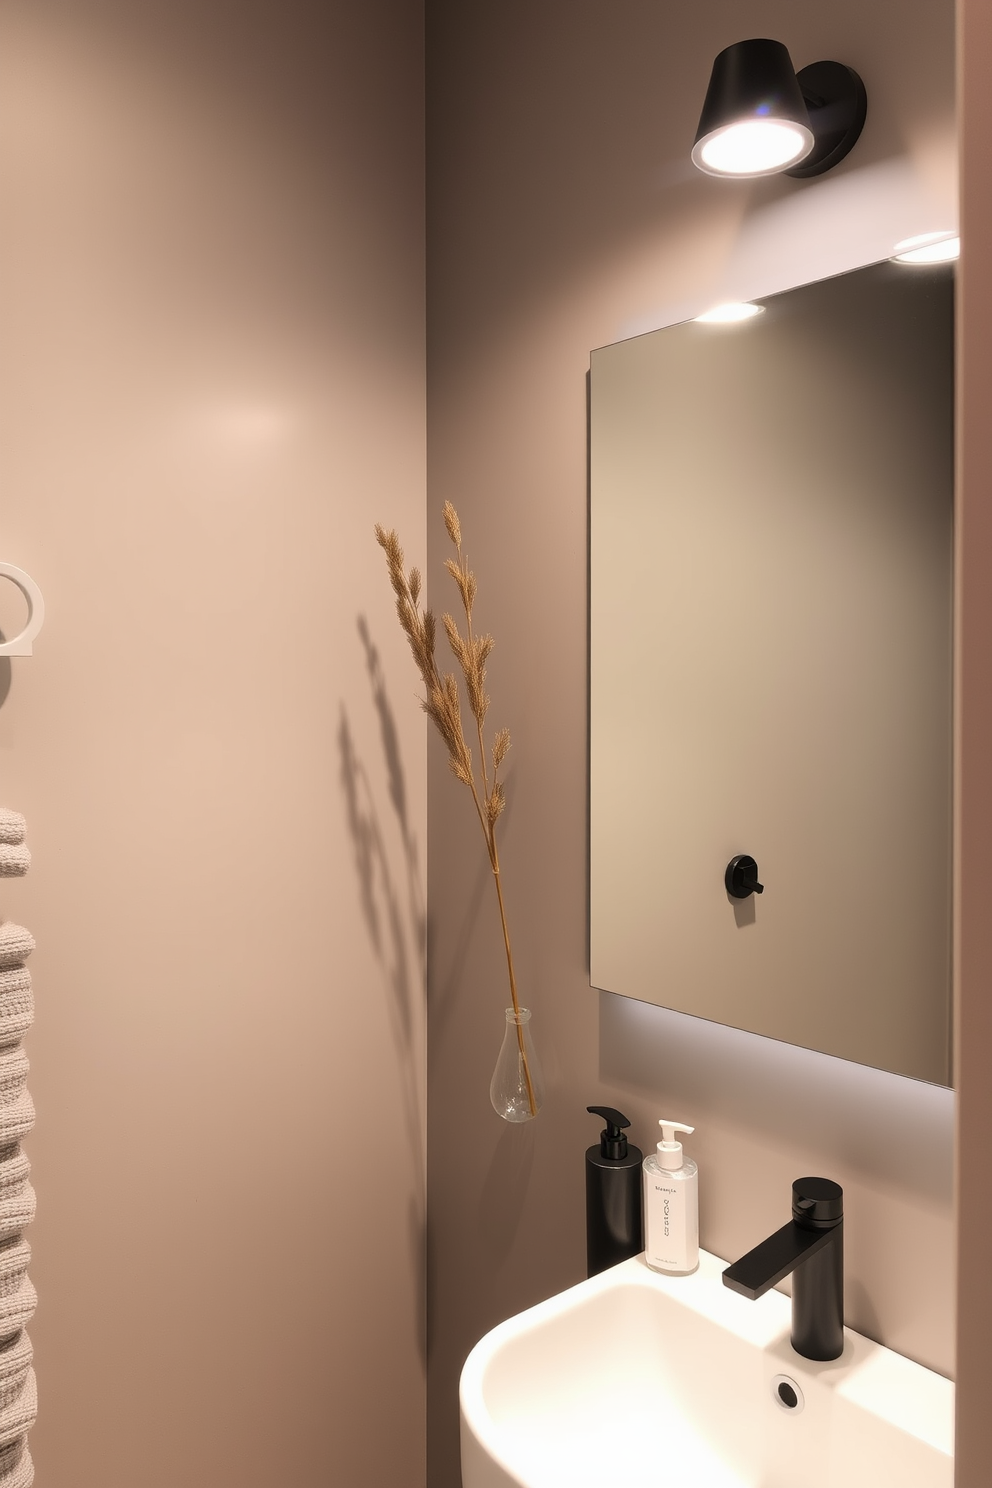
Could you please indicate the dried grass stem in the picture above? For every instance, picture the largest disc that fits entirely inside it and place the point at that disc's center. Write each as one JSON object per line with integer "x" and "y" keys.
{"x": 442, "y": 704}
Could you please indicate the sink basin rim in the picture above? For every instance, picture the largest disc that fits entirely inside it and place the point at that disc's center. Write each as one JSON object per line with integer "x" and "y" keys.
{"x": 913, "y": 1400}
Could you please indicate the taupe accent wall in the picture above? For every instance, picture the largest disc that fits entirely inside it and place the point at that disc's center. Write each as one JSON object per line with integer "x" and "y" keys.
{"x": 211, "y": 339}
{"x": 564, "y": 215}
{"x": 974, "y": 777}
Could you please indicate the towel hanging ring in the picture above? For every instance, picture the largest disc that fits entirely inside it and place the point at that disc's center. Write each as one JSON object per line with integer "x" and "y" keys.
{"x": 20, "y": 645}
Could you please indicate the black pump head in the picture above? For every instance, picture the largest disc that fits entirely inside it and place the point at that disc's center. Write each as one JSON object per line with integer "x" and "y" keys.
{"x": 612, "y": 1142}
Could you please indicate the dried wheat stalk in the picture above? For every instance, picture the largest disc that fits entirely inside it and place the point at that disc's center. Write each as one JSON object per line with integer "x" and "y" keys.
{"x": 442, "y": 704}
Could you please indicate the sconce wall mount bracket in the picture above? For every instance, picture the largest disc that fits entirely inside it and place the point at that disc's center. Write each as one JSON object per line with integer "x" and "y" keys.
{"x": 837, "y": 105}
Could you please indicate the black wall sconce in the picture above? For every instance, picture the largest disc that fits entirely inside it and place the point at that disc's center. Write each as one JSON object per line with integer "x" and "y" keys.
{"x": 761, "y": 117}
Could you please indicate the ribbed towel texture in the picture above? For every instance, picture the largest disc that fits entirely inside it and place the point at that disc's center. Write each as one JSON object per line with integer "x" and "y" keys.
{"x": 16, "y": 1004}
{"x": 17, "y": 1417}
{"x": 16, "y": 1212}
{"x": 16, "y": 944}
{"x": 18, "y": 1308}
{"x": 16, "y": 996}
{"x": 18, "y": 1390}
{"x": 15, "y": 1256}
{"x": 16, "y": 1118}
{"x": 16, "y": 1467}
{"x": 14, "y": 1068}
{"x": 16, "y": 1357}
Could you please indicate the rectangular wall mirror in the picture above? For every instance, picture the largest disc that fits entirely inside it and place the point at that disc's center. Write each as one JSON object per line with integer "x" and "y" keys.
{"x": 771, "y": 591}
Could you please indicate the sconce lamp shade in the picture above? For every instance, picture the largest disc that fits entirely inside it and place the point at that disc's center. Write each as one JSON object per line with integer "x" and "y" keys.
{"x": 754, "y": 120}
{"x": 761, "y": 117}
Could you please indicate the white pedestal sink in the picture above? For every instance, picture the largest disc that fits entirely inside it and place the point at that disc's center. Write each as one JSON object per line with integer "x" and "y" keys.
{"x": 636, "y": 1380}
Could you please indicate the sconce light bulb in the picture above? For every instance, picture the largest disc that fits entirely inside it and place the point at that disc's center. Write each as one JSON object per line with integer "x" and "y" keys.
{"x": 729, "y": 313}
{"x": 928, "y": 248}
{"x": 752, "y": 147}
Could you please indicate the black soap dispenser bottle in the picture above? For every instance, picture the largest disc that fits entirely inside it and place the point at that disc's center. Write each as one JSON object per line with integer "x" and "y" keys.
{"x": 614, "y": 1225}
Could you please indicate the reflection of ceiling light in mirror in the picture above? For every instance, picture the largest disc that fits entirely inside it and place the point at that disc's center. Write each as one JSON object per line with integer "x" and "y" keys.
{"x": 752, "y": 147}
{"x": 728, "y": 314}
{"x": 928, "y": 248}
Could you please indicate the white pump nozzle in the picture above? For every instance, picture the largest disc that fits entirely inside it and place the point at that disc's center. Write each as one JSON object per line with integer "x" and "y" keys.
{"x": 669, "y": 1150}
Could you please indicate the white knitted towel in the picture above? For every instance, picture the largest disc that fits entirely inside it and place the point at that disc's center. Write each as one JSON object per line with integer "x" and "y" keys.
{"x": 18, "y": 1391}
{"x": 16, "y": 1004}
{"x": 14, "y": 980}
{"x": 15, "y": 1170}
{"x": 14, "y": 1067}
{"x": 17, "y": 1210}
{"x": 15, "y": 1257}
{"x": 16, "y": 1118}
{"x": 17, "y": 1201}
{"x": 16, "y": 944}
{"x": 16, "y": 1356}
{"x": 17, "y": 1417}
{"x": 18, "y": 1308}
{"x": 16, "y": 1467}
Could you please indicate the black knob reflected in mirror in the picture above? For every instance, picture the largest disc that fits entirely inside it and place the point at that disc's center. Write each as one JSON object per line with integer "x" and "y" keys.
{"x": 741, "y": 877}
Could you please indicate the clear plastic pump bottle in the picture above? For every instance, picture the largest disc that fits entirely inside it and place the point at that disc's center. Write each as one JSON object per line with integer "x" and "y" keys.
{"x": 671, "y": 1205}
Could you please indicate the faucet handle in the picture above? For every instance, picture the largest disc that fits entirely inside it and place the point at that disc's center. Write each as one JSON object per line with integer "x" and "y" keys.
{"x": 817, "y": 1203}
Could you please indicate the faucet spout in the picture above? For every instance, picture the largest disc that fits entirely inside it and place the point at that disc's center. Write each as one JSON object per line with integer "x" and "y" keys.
{"x": 811, "y": 1245}
{"x": 773, "y": 1260}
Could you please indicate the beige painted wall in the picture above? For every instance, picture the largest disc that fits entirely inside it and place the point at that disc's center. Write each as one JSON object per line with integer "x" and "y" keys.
{"x": 974, "y": 781}
{"x": 564, "y": 215}
{"x": 211, "y": 342}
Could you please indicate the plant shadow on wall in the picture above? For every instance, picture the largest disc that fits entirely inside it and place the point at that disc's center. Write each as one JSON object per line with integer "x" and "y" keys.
{"x": 394, "y": 911}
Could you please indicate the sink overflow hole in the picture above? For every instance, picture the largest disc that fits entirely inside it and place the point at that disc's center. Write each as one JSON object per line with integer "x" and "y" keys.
{"x": 788, "y": 1395}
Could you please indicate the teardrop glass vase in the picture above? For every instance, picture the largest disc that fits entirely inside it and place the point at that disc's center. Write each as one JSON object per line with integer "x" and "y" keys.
{"x": 517, "y": 1086}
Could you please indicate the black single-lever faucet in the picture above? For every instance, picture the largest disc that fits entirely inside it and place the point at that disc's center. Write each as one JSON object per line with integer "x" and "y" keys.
{"x": 811, "y": 1245}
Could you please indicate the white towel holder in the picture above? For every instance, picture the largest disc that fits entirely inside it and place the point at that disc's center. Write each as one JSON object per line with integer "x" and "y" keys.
{"x": 21, "y": 645}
